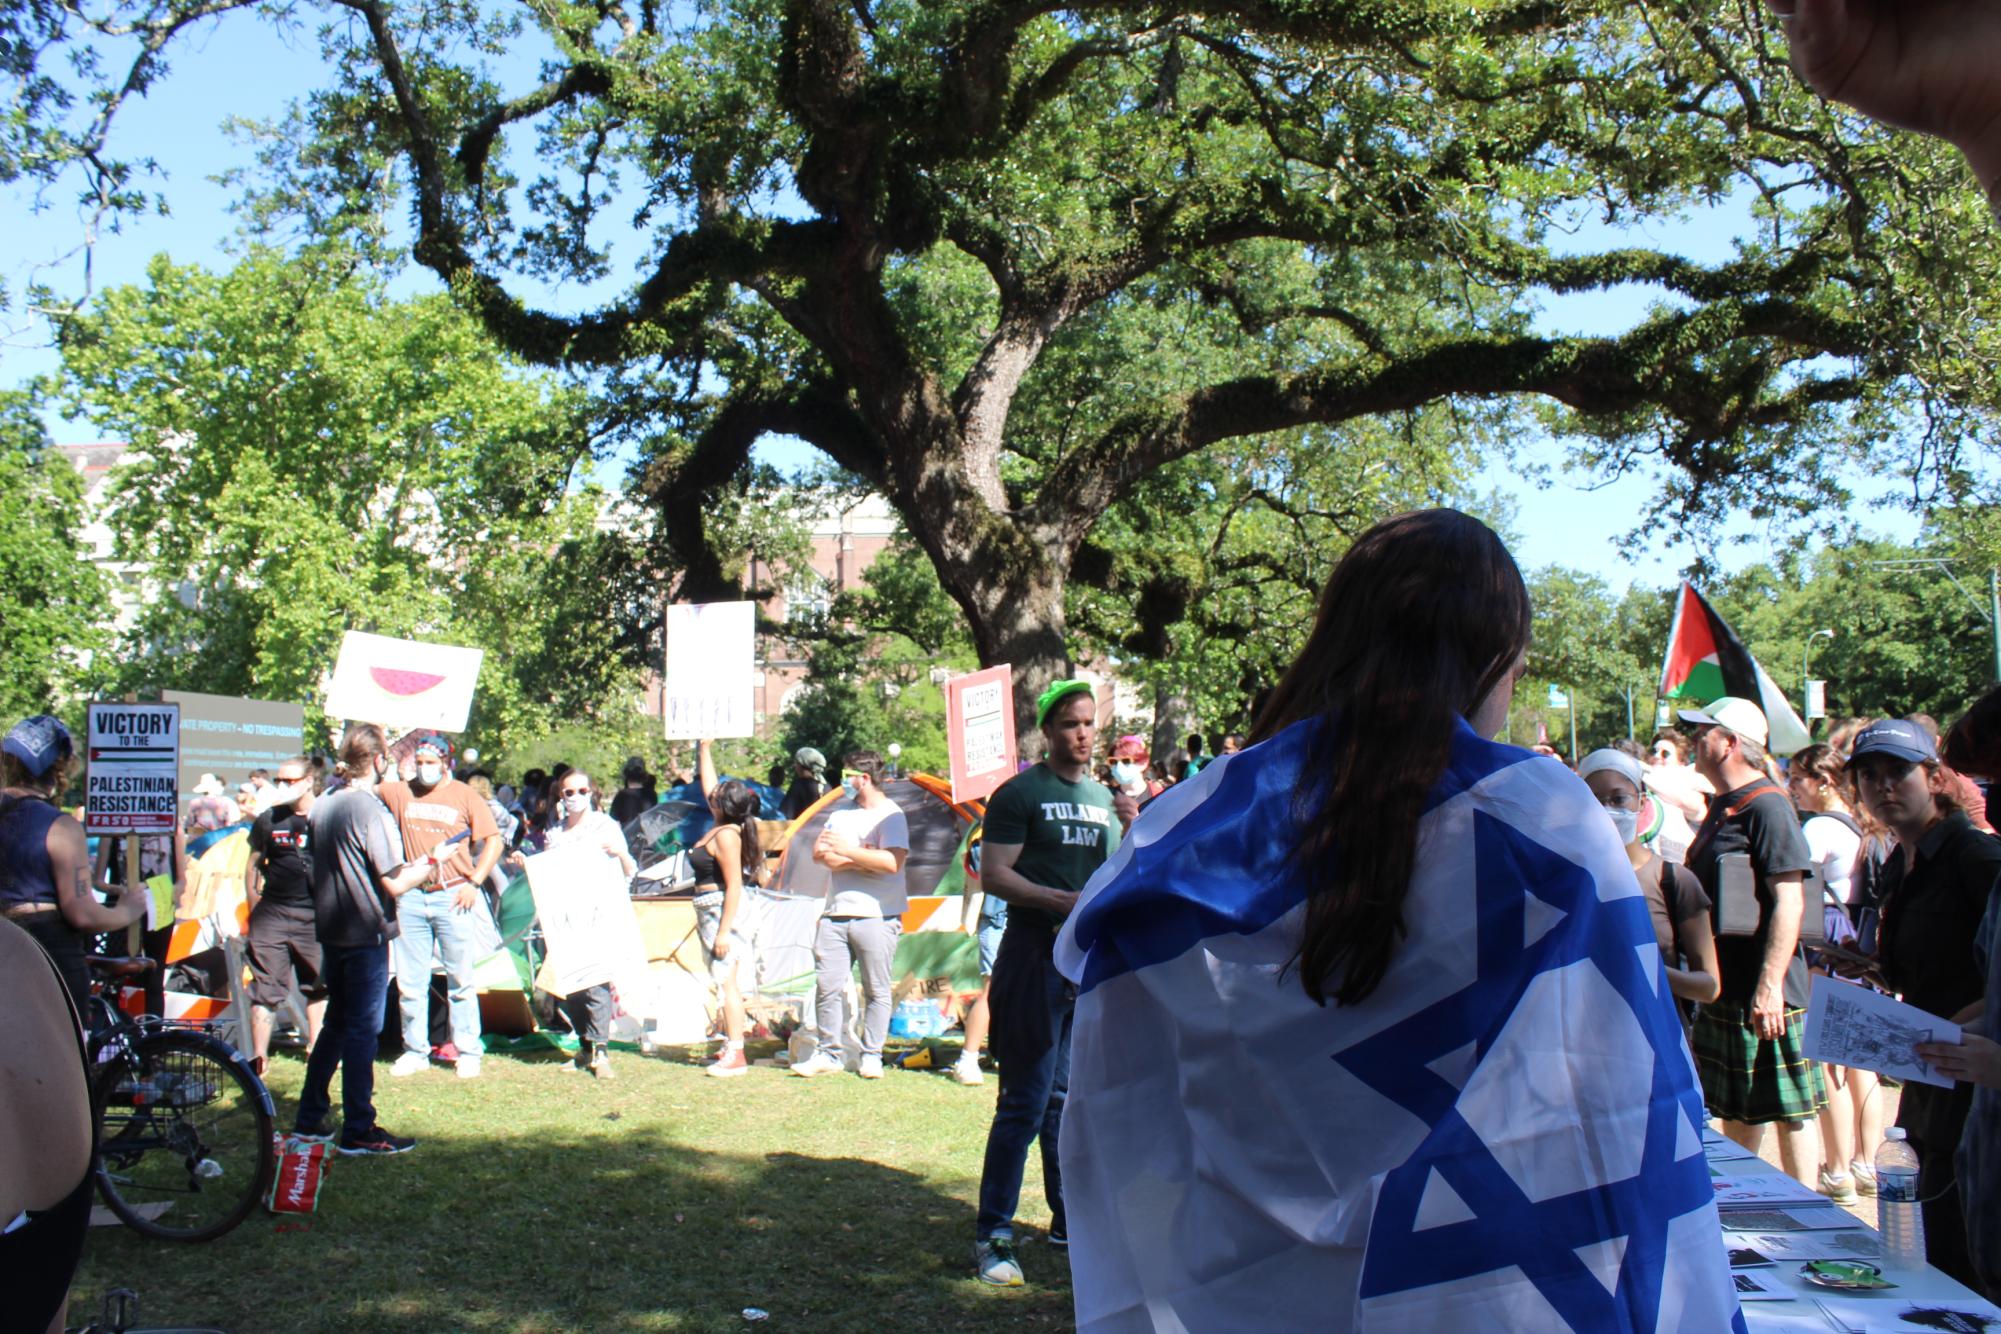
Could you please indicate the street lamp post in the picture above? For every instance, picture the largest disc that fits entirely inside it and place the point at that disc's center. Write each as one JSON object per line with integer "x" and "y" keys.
{"x": 1806, "y": 675}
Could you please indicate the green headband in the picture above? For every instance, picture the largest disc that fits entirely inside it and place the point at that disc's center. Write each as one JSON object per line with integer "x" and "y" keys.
{"x": 1058, "y": 691}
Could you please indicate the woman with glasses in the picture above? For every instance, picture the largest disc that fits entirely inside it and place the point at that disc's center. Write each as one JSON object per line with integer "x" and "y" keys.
{"x": 1674, "y": 896}
{"x": 576, "y": 821}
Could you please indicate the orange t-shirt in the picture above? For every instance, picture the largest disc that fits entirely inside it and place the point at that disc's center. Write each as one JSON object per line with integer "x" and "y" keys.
{"x": 426, "y": 821}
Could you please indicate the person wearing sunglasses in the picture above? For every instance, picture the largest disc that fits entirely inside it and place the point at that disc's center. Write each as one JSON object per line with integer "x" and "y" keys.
{"x": 579, "y": 823}
{"x": 863, "y": 846}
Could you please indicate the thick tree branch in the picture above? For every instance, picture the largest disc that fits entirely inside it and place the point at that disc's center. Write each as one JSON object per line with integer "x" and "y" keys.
{"x": 1653, "y": 366}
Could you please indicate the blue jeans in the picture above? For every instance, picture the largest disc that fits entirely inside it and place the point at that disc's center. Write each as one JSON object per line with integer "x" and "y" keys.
{"x": 357, "y": 982}
{"x": 428, "y": 921}
{"x": 1032, "y": 1007}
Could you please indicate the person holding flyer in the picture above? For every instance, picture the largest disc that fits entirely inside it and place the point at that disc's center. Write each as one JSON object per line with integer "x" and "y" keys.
{"x": 582, "y": 824}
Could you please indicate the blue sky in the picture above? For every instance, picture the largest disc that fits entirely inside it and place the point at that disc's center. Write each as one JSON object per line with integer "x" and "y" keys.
{"x": 245, "y": 68}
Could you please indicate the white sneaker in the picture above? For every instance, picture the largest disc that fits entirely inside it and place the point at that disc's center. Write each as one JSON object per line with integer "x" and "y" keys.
{"x": 819, "y": 1063}
{"x": 968, "y": 1072}
{"x": 467, "y": 1066}
{"x": 870, "y": 1068}
{"x": 994, "y": 1262}
{"x": 411, "y": 1063}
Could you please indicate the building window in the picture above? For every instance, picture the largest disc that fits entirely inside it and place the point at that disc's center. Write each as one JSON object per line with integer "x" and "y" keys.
{"x": 808, "y": 595}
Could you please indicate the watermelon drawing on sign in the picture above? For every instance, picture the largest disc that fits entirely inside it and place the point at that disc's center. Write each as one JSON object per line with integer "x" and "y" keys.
{"x": 401, "y": 682}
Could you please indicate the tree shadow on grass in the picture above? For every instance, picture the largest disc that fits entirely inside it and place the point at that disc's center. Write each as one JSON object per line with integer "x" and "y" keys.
{"x": 622, "y": 1231}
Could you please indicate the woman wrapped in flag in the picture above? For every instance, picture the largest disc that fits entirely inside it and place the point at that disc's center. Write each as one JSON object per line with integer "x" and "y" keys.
{"x": 1372, "y": 1030}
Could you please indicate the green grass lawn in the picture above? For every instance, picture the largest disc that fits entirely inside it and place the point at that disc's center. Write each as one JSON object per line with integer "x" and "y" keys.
{"x": 539, "y": 1199}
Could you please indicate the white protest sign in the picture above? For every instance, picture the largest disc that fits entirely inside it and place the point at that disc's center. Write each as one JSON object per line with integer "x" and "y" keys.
{"x": 979, "y": 731}
{"x": 711, "y": 657}
{"x": 403, "y": 683}
{"x": 134, "y": 757}
{"x": 588, "y": 926}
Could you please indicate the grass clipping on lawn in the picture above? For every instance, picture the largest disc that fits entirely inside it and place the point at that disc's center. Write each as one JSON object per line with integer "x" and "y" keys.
{"x": 543, "y": 1200}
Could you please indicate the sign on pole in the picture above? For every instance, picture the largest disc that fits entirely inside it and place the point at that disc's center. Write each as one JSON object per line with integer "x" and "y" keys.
{"x": 1558, "y": 698}
{"x": 228, "y": 737}
{"x": 132, "y": 784}
{"x": 711, "y": 658}
{"x": 403, "y": 683}
{"x": 979, "y": 731}
{"x": 1816, "y": 700}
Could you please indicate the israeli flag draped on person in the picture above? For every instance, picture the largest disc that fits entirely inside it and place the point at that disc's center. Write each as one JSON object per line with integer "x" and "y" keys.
{"x": 1506, "y": 1134}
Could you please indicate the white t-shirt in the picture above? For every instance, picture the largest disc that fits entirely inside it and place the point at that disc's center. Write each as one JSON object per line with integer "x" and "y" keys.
{"x": 1833, "y": 845}
{"x": 859, "y": 893}
{"x": 594, "y": 830}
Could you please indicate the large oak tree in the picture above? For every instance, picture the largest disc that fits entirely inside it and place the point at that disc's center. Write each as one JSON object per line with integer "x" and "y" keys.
{"x": 1005, "y": 261}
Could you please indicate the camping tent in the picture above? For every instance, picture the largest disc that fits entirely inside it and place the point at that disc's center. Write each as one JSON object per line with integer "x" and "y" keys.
{"x": 933, "y": 877}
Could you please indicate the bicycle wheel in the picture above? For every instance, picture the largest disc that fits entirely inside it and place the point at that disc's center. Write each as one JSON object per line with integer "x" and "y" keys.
{"x": 185, "y": 1149}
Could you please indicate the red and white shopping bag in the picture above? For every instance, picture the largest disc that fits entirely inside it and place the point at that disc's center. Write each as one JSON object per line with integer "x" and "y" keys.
{"x": 302, "y": 1167}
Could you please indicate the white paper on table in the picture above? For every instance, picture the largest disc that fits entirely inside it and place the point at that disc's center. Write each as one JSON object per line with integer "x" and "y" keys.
{"x": 1893, "y": 1314}
{"x": 1723, "y": 1149}
{"x": 1755, "y": 1285}
{"x": 1789, "y": 1220}
{"x": 1757, "y": 1188}
{"x": 1821, "y": 1245}
{"x": 1848, "y": 1024}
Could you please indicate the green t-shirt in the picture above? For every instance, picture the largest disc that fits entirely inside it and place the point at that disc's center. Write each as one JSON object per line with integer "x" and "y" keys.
{"x": 1066, "y": 830}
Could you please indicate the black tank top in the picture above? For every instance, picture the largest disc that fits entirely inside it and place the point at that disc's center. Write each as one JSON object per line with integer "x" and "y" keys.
{"x": 708, "y": 871}
{"x": 26, "y": 874}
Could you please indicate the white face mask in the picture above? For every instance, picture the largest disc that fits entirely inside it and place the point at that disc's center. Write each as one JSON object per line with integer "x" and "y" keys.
{"x": 577, "y": 803}
{"x": 1125, "y": 773}
{"x": 289, "y": 794}
{"x": 429, "y": 774}
{"x": 1626, "y": 822}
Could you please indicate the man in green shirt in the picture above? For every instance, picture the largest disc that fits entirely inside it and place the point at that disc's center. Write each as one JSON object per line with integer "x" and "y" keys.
{"x": 1047, "y": 829}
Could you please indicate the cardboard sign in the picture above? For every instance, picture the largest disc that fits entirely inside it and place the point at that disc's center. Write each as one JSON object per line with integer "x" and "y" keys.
{"x": 587, "y": 921}
{"x": 132, "y": 784}
{"x": 711, "y": 659}
{"x": 228, "y": 737}
{"x": 403, "y": 683}
{"x": 979, "y": 731}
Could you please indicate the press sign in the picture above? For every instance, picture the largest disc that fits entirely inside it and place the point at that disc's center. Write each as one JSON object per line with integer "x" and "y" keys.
{"x": 134, "y": 755}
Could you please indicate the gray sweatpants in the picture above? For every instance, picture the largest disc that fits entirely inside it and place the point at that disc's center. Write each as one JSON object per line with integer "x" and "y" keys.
{"x": 839, "y": 943}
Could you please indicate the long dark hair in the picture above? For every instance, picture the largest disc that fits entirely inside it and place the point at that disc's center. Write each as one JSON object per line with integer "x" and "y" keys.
{"x": 737, "y": 805}
{"x": 1423, "y": 617}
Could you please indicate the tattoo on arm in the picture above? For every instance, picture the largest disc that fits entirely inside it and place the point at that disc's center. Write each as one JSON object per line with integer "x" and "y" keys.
{"x": 82, "y": 889}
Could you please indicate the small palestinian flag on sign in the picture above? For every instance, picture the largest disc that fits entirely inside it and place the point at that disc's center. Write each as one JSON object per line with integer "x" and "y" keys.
{"x": 1706, "y": 661}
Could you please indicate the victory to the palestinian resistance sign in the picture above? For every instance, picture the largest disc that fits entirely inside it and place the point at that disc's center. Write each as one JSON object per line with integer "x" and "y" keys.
{"x": 133, "y": 756}
{"x": 403, "y": 683}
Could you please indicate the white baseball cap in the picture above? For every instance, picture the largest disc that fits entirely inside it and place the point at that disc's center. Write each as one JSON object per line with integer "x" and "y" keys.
{"x": 1731, "y": 714}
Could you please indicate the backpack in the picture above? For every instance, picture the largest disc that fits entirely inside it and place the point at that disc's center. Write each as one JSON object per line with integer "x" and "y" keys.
{"x": 1737, "y": 910}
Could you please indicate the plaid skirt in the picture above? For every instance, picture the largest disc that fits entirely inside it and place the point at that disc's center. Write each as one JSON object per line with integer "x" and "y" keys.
{"x": 1751, "y": 1079}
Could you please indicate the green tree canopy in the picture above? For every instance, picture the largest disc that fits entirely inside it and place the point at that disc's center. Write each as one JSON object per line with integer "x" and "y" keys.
{"x": 1007, "y": 262}
{"x": 308, "y": 456}
{"x": 53, "y": 611}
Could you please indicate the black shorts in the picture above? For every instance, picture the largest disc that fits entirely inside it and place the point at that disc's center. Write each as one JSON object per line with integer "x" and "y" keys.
{"x": 282, "y": 940}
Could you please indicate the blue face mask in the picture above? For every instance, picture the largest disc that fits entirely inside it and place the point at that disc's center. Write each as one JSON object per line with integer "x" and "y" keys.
{"x": 851, "y": 788}
{"x": 1125, "y": 774}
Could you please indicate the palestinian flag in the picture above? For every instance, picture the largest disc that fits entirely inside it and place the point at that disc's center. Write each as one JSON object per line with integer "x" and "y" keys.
{"x": 1706, "y": 661}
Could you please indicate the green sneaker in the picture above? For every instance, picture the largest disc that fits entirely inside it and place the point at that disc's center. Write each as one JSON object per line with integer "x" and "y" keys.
{"x": 994, "y": 1262}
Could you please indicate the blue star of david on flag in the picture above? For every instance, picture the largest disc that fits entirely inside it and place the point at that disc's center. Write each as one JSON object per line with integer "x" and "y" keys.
{"x": 1505, "y": 1135}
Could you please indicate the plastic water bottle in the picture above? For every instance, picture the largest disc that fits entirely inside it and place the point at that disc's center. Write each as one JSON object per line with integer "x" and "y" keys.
{"x": 1897, "y": 1214}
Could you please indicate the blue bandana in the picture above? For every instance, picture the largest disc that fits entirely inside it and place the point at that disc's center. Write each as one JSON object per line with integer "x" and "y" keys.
{"x": 39, "y": 743}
